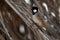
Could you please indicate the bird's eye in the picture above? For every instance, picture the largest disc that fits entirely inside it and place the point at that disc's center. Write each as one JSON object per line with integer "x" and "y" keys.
{"x": 34, "y": 10}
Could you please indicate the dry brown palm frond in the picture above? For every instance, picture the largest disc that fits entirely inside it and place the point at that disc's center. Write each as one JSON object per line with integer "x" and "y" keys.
{"x": 30, "y": 19}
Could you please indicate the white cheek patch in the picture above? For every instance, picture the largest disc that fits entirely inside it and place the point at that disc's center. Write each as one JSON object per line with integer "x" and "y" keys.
{"x": 34, "y": 10}
{"x": 53, "y": 14}
{"x": 28, "y": 1}
{"x": 45, "y": 5}
{"x": 22, "y": 29}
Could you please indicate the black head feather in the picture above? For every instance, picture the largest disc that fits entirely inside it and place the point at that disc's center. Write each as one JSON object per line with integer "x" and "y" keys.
{"x": 34, "y": 10}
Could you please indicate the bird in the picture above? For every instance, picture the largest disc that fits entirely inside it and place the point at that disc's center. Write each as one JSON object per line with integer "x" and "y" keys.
{"x": 36, "y": 18}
